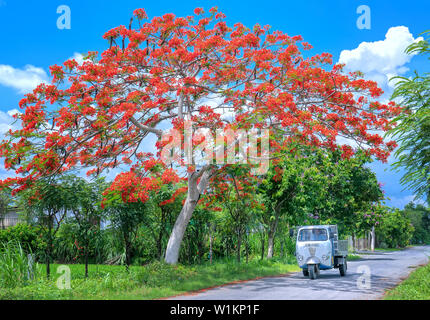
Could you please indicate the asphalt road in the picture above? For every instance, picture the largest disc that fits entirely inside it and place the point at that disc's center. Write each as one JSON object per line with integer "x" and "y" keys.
{"x": 366, "y": 278}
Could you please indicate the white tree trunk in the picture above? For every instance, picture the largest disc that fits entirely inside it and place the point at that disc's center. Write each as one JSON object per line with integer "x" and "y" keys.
{"x": 270, "y": 246}
{"x": 194, "y": 191}
{"x": 271, "y": 236}
{"x": 372, "y": 244}
{"x": 210, "y": 248}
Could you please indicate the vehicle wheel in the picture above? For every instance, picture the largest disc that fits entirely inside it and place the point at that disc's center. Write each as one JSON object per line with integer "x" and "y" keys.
{"x": 342, "y": 268}
{"x": 305, "y": 272}
{"x": 312, "y": 271}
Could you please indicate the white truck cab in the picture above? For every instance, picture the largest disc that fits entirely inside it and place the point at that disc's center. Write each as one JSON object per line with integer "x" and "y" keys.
{"x": 318, "y": 248}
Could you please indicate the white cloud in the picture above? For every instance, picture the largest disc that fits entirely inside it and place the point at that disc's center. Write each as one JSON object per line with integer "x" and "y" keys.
{"x": 381, "y": 60}
{"x": 79, "y": 58}
{"x": 13, "y": 112}
{"x": 24, "y": 80}
{"x": 8, "y": 122}
{"x": 401, "y": 202}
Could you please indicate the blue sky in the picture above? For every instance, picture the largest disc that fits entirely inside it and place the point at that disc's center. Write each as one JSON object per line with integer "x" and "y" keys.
{"x": 31, "y": 41}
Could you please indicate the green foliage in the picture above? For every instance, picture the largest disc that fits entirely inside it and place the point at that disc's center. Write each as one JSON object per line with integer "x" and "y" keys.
{"x": 311, "y": 186}
{"x": 413, "y": 129}
{"x": 65, "y": 249}
{"x": 126, "y": 218}
{"x": 49, "y": 201}
{"x": 195, "y": 245}
{"x": 415, "y": 287}
{"x": 233, "y": 193}
{"x": 161, "y": 218}
{"x": 395, "y": 230}
{"x": 15, "y": 267}
{"x": 419, "y": 216}
{"x": 5, "y": 202}
{"x": 27, "y": 235}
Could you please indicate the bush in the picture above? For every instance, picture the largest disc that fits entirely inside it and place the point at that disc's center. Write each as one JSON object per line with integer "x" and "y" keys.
{"x": 395, "y": 230}
{"x": 16, "y": 269}
{"x": 27, "y": 235}
{"x": 419, "y": 216}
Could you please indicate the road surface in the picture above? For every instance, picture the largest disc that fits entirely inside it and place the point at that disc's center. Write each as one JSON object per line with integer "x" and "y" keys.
{"x": 366, "y": 278}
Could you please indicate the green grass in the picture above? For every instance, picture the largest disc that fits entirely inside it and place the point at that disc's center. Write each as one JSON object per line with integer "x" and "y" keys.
{"x": 389, "y": 249}
{"x": 415, "y": 287}
{"x": 152, "y": 281}
{"x": 353, "y": 257}
{"x": 379, "y": 250}
{"x": 15, "y": 269}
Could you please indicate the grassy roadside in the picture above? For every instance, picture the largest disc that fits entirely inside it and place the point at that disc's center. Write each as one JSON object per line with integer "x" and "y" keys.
{"x": 390, "y": 249}
{"x": 353, "y": 257}
{"x": 415, "y": 287}
{"x": 156, "y": 280}
{"x": 377, "y": 250}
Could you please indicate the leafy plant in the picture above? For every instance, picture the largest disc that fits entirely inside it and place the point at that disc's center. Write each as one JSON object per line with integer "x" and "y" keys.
{"x": 17, "y": 268}
{"x": 413, "y": 130}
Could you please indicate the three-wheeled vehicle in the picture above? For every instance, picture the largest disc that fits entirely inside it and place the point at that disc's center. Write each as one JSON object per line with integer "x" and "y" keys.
{"x": 318, "y": 248}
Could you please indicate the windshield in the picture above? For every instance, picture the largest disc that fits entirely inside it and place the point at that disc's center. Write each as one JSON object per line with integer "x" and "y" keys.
{"x": 313, "y": 235}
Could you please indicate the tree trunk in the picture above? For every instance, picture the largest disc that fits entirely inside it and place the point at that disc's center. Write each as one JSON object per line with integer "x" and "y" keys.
{"x": 239, "y": 243}
{"x": 175, "y": 240}
{"x": 262, "y": 246}
{"x": 372, "y": 243}
{"x": 210, "y": 244}
{"x": 86, "y": 262}
{"x": 127, "y": 243}
{"x": 127, "y": 257}
{"x": 369, "y": 240}
{"x": 48, "y": 268}
{"x": 194, "y": 191}
{"x": 271, "y": 236}
{"x": 247, "y": 250}
{"x": 49, "y": 249}
{"x": 270, "y": 242}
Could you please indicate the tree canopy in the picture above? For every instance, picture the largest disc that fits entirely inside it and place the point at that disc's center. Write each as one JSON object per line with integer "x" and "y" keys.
{"x": 161, "y": 73}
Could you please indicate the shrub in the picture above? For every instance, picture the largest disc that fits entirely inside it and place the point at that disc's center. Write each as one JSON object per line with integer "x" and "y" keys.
{"x": 395, "y": 229}
{"x": 27, "y": 235}
{"x": 16, "y": 266}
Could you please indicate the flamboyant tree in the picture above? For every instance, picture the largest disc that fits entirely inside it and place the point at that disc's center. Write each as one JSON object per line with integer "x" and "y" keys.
{"x": 156, "y": 74}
